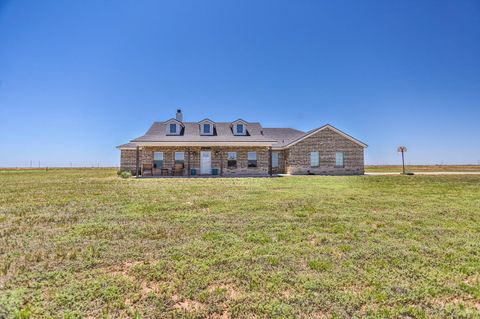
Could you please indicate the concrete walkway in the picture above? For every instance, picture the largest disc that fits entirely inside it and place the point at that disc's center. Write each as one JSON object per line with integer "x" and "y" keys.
{"x": 425, "y": 173}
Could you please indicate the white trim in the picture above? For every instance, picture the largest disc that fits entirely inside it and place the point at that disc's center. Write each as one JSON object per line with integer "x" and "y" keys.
{"x": 239, "y": 120}
{"x": 202, "y": 124}
{"x": 206, "y": 120}
{"x": 178, "y": 127}
{"x": 336, "y": 130}
{"x": 205, "y": 165}
{"x": 234, "y": 127}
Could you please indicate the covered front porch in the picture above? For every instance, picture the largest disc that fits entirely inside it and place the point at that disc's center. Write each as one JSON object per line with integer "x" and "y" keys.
{"x": 211, "y": 161}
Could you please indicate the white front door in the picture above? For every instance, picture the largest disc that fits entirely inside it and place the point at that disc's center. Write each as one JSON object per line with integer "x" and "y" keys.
{"x": 205, "y": 162}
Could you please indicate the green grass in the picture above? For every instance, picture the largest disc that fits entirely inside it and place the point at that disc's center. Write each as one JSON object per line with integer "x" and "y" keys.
{"x": 79, "y": 243}
{"x": 421, "y": 168}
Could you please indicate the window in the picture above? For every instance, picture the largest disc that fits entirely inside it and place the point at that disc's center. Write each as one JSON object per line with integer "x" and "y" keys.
{"x": 314, "y": 159}
{"x": 240, "y": 129}
{"x": 157, "y": 159}
{"x": 173, "y": 128}
{"x": 274, "y": 159}
{"x": 206, "y": 128}
{"x": 339, "y": 160}
{"x": 232, "y": 159}
{"x": 252, "y": 159}
{"x": 179, "y": 157}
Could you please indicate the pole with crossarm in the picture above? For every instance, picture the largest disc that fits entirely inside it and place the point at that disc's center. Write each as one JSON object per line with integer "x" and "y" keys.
{"x": 402, "y": 149}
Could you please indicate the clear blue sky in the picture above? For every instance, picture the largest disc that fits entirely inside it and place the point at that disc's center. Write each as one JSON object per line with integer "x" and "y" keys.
{"x": 78, "y": 78}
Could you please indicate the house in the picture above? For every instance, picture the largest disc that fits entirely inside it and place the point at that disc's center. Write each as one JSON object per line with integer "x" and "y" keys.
{"x": 175, "y": 147}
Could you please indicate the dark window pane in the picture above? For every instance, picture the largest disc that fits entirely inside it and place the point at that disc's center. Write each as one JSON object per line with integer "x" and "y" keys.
{"x": 173, "y": 128}
{"x": 206, "y": 128}
{"x": 239, "y": 128}
{"x": 252, "y": 159}
{"x": 232, "y": 160}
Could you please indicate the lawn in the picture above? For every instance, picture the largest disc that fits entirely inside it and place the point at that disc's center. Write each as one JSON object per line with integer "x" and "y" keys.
{"x": 422, "y": 168}
{"x": 85, "y": 243}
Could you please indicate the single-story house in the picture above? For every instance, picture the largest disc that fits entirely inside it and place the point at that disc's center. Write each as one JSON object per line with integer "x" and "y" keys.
{"x": 237, "y": 148}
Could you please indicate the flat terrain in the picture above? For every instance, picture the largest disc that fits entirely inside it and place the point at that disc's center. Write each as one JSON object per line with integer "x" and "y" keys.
{"x": 422, "y": 168}
{"x": 85, "y": 243}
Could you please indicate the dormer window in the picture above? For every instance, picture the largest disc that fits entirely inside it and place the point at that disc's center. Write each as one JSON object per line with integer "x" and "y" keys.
{"x": 173, "y": 127}
{"x": 207, "y": 127}
{"x": 239, "y": 127}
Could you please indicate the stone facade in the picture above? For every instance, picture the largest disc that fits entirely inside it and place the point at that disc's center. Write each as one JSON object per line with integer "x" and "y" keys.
{"x": 294, "y": 160}
{"x": 128, "y": 160}
{"x": 327, "y": 142}
{"x": 192, "y": 159}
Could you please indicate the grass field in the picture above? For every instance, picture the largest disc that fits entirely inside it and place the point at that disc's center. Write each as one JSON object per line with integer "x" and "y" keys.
{"x": 422, "y": 168}
{"x": 85, "y": 243}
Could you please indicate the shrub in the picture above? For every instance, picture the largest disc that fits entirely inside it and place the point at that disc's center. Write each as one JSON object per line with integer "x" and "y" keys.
{"x": 124, "y": 174}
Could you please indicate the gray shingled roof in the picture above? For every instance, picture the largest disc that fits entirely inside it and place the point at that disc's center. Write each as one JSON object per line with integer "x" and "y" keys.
{"x": 283, "y": 136}
{"x": 278, "y": 137}
{"x": 191, "y": 133}
{"x": 127, "y": 146}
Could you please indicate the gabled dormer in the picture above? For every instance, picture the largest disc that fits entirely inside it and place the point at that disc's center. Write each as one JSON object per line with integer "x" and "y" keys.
{"x": 173, "y": 127}
{"x": 206, "y": 127}
{"x": 239, "y": 127}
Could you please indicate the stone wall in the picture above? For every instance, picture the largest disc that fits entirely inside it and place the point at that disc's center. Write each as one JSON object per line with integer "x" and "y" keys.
{"x": 327, "y": 142}
{"x": 128, "y": 160}
{"x": 192, "y": 159}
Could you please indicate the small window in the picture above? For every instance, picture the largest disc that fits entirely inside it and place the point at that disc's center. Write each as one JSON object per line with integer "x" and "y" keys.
{"x": 157, "y": 159}
{"x": 173, "y": 128}
{"x": 179, "y": 158}
{"x": 339, "y": 159}
{"x": 314, "y": 159}
{"x": 274, "y": 159}
{"x": 252, "y": 159}
{"x": 240, "y": 128}
{"x": 232, "y": 159}
{"x": 206, "y": 128}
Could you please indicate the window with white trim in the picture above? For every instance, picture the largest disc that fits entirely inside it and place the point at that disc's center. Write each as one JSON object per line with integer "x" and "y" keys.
{"x": 157, "y": 159}
{"x": 179, "y": 157}
{"x": 252, "y": 159}
{"x": 239, "y": 129}
{"x": 207, "y": 128}
{"x": 339, "y": 159}
{"x": 274, "y": 159}
{"x": 172, "y": 128}
{"x": 314, "y": 159}
{"x": 232, "y": 159}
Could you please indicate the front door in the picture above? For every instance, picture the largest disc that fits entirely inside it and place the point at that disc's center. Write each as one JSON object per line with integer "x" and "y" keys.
{"x": 205, "y": 162}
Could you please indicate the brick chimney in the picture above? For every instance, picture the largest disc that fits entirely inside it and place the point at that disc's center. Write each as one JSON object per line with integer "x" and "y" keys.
{"x": 179, "y": 115}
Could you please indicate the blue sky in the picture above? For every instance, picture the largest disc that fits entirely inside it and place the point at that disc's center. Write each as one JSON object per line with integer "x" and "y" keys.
{"x": 78, "y": 78}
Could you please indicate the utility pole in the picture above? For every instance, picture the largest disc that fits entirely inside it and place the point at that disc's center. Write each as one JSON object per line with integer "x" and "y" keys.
{"x": 402, "y": 149}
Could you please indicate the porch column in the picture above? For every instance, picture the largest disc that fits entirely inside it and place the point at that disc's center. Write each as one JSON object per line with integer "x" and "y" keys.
{"x": 270, "y": 161}
{"x": 188, "y": 161}
{"x": 221, "y": 162}
{"x": 137, "y": 161}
